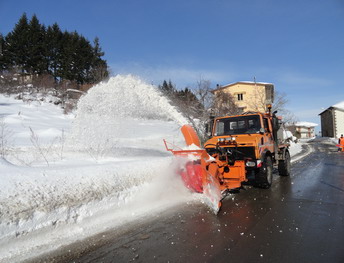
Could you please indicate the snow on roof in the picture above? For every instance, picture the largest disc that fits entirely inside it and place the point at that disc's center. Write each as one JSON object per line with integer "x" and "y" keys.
{"x": 247, "y": 82}
{"x": 305, "y": 124}
{"x": 252, "y": 82}
{"x": 339, "y": 105}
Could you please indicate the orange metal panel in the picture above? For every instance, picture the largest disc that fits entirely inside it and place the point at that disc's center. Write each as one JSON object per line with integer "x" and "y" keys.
{"x": 190, "y": 136}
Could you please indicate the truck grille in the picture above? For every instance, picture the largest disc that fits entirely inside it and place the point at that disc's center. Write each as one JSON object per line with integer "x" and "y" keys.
{"x": 248, "y": 152}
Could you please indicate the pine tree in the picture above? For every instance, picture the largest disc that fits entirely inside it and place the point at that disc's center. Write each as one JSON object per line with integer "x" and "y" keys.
{"x": 17, "y": 45}
{"x": 99, "y": 69}
{"x": 67, "y": 49}
{"x": 36, "y": 62}
{"x": 83, "y": 60}
{"x": 34, "y": 50}
{"x": 3, "y": 63}
{"x": 76, "y": 58}
{"x": 168, "y": 89}
{"x": 53, "y": 49}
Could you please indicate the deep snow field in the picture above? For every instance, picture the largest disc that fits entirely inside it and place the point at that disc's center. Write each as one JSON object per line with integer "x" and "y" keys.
{"x": 67, "y": 177}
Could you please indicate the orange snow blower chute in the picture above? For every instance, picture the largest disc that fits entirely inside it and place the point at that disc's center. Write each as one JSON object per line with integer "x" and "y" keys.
{"x": 207, "y": 174}
{"x": 193, "y": 174}
{"x": 190, "y": 136}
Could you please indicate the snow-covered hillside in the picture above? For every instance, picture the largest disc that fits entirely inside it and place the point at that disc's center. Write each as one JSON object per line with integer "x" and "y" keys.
{"x": 66, "y": 177}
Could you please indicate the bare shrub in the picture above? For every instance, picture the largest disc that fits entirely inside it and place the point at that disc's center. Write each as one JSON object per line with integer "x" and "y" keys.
{"x": 36, "y": 143}
{"x": 100, "y": 150}
{"x": 9, "y": 81}
{"x": 62, "y": 140}
{"x": 43, "y": 82}
{"x": 5, "y": 139}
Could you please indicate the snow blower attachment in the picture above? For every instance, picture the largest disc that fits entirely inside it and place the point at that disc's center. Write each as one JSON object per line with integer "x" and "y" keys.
{"x": 206, "y": 174}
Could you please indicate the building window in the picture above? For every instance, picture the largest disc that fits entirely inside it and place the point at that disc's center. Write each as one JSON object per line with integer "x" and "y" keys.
{"x": 240, "y": 96}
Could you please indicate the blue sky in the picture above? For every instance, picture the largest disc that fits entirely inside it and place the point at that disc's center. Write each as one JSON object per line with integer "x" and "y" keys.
{"x": 297, "y": 44}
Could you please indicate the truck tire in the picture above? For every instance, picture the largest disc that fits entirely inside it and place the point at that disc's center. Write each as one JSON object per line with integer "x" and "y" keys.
{"x": 264, "y": 174}
{"x": 284, "y": 165}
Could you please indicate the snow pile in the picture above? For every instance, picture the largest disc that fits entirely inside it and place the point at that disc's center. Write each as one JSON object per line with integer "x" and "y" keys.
{"x": 114, "y": 113}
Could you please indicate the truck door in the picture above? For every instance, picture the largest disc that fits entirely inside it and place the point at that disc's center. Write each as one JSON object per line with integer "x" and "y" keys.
{"x": 268, "y": 140}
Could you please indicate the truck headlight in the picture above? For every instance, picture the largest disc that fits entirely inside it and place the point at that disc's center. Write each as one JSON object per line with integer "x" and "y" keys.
{"x": 250, "y": 164}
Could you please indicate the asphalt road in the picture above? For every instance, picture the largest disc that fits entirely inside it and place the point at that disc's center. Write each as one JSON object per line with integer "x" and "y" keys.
{"x": 299, "y": 219}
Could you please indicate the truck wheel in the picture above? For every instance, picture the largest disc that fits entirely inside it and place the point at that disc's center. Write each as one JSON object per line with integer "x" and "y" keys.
{"x": 264, "y": 174}
{"x": 284, "y": 165}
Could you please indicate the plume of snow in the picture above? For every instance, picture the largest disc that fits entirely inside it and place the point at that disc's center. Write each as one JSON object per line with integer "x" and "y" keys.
{"x": 104, "y": 113}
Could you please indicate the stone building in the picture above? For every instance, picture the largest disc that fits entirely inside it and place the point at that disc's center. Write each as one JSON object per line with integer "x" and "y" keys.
{"x": 332, "y": 121}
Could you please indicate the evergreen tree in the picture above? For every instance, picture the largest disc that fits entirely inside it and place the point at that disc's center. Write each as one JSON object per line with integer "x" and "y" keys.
{"x": 189, "y": 104}
{"x": 168, "y": 89}
{"x": 36, "y": 61}
{"x": 32, "y": 49}
{"x": 17, "y": 45}
{"x": 83, "y": 60}
{"x": 67, "y": 48}
{"x": 3, "y": 63}
{"x": 99, "y": 69}
{"x": 76, "y": 58}
{"x": 53, "y": 49}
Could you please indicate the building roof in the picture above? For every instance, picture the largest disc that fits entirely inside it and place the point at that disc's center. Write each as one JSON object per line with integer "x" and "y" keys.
{"x": 338, "y": 106}
{"x": 305, "y": 124}
{"x": 220, "y": 87}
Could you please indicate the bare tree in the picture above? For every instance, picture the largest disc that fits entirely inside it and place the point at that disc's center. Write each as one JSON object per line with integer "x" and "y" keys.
{"x": 224, "y": 104}
{"x": 203, "y": 93}
{"x": 279, "y": 105}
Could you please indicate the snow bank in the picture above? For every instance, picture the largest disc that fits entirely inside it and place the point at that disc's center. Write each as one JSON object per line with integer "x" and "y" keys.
{"x": 52, "y": 207}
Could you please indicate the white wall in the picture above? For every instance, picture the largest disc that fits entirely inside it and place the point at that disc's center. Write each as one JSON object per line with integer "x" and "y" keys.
{"x": 339, "y": 119}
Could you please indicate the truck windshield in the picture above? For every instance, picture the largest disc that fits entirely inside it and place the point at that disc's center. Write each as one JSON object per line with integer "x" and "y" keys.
{"x": 238, "y": 125}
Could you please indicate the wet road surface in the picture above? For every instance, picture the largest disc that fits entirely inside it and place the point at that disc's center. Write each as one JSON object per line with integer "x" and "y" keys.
{"x": 300, "y": 219}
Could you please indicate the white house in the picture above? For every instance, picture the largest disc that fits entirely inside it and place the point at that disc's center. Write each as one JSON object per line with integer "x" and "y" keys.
{"x": 332, "y": 121}
{"x": 303, "y": 130}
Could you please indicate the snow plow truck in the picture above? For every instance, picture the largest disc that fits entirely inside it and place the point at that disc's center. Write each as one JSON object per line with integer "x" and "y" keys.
{"x": 240, "y": 147}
